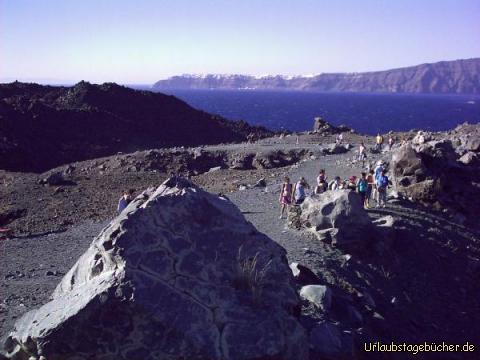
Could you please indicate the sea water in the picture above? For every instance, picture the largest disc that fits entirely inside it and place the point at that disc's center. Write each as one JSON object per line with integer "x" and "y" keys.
{"x": 365, "y": 112}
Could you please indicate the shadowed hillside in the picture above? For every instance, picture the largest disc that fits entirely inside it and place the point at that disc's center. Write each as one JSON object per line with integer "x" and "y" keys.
{"x": 43, "y": 126}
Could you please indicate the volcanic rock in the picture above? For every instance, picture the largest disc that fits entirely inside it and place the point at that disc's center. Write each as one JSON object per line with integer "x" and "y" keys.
{"x": 320, "y": 126}
{"x": 433, "y": 174}
{"x": 468, "y": 158}
{"x": 330, "y": 343}
{"x": 333, "y": 149}
{"x": 319, "y": 295}
{"x": 303, "y": 275}
{"x": 43, "y": 126}
{"x": 341, "y": 213}
{"x": 178, "y": 274}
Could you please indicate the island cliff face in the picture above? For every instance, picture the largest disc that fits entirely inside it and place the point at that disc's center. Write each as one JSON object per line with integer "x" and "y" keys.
{"x": 446, "y": 77}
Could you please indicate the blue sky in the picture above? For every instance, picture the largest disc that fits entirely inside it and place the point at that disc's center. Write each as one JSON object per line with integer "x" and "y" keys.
{"x": 141, "y": 41}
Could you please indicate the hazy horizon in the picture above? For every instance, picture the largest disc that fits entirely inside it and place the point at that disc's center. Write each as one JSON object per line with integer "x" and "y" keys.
{"x": 62, "y": 42}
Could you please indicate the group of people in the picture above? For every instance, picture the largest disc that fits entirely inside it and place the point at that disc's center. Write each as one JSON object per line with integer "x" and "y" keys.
{"x": 292, "y": 194}
{"x": 379, "y": 140}
{"x": 370, "y": 186}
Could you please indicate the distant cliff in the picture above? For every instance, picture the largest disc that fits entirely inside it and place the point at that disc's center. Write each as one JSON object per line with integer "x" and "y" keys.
{"x": 445, "y": 77}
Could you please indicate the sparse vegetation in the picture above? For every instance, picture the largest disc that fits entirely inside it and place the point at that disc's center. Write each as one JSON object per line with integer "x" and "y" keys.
{"x": 251, "y": 274}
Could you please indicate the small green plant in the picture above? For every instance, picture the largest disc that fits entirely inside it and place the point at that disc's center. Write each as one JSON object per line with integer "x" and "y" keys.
{"x": 250, "y": 275}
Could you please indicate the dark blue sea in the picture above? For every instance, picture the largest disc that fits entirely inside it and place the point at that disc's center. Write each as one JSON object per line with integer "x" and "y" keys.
{"x": 366, "y": 113}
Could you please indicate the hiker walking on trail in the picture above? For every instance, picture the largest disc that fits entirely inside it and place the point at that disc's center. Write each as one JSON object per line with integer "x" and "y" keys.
{"x": 362, "y": 186}
{"x": 391, "y": 141}
{"x": 124, "y": 200}
{"x": 379, "y": 142}
{"x": 299, "y": 191}
{"x": 339, "y": 139}
{"x": 382, "y": 184}
{"x": 322, "y": 185}
{"x": 285, "y": 195}
{"x": 377, "y": 172}
{"x": 362, "y": 153}
{"x": 370, "y": 187}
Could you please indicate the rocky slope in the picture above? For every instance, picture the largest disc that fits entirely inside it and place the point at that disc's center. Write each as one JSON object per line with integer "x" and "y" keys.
{"x": 43, "y": 126}
{"x": 446, "y": 77}
{"x": 411, "y": 274}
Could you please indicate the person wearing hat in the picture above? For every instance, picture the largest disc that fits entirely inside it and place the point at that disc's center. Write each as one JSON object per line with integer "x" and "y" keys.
{"x": 382, "y": 183}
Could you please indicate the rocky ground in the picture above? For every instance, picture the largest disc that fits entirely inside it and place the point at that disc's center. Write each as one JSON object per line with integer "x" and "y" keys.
{"x": 419, "y": 284}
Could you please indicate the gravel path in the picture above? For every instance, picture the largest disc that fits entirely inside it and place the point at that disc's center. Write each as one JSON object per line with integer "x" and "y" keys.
{"x": 31, "y": 268}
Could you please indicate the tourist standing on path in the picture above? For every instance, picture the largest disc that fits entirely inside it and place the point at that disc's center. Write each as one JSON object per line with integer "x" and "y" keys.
{"x": 370, "y": 187}
{"x": 335, "y": 184}
{"x": 339, "y": 139}
{"x": 379, "y": 142}
{"x": 362, "y": 154}
{"x": 285, "y": 195}
{"x": 377, "y": 172}
{"x": 382, "y": 184}
{"x": 391, "y": 141}
{"x": 362, "y": 186}
{"x": 299, "y": 191}
{"x": 322, "y": 185}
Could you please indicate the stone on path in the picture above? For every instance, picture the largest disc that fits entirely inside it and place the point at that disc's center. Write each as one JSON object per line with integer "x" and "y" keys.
{"x": 340, "y": 213}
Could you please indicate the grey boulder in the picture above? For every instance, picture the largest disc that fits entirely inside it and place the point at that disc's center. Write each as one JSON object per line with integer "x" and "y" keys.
{"x": 180, "y": 274}
{"x": 341, "y": 214}
{"x": 329, "y": 342}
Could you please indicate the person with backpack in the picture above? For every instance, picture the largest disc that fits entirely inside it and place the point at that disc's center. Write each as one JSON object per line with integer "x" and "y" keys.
{"x": 335, "y": 184}
{"x": 299, "y": 191}
{"x": 370, "y": 187}
{"x": 124, "y": 200}
{"x": 362, "y": 186}
{"x": 382, "y": 184}
{"x": 377, "y": 172}
{"x": 285, "y": 195}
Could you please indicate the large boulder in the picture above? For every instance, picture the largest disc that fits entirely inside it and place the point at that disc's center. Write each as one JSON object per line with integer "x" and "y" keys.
{"x": 435, "y": 174}
{"x": 277, "y": 158}
{"x": 180, "y": 274}
{"x": 406, "y": 162}
{"x": 334, "y": 149}
{"x": 329, "y": 342}
{"x": 341, "y": 214}
{"x": 242, "y": 161}
{"x": 321, "y": 126}
{"x": 319, "y": 295}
